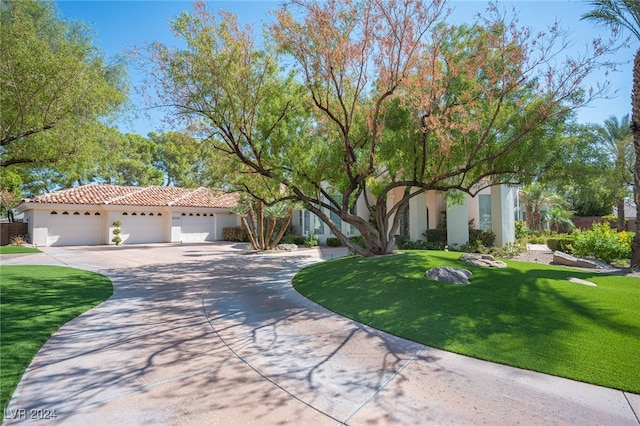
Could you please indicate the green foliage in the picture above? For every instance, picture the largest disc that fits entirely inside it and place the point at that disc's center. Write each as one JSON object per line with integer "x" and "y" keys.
{"x": 234, "y": 233}
{"x": 521, "y": 229}
{"x": 602, "y": 242}
{"x": 509, "y": 250}
{"x": 485, "y": 237}
{"x": 404, "y": 244}
{"x": 56, "y": 86}
{"x": 116, "y": 231}
{"x": 526, "y": 315}
{"x": 312, "y": 240}
{"x": 436, "y": 236}
{"x": 562, "y": 243}
{"x": 333, "y": 242}
{"x": 293, "y": 239}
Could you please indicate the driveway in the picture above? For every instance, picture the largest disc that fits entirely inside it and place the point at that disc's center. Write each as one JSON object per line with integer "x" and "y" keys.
{"x": 203, "y": 335}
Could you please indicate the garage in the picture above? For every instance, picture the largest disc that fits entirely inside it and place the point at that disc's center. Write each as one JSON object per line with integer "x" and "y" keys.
{"x": 85, "y": 215}
{"x": 141, "y": 227}
{"x": 197, "y": 227}
{"x": 74, "y": 228}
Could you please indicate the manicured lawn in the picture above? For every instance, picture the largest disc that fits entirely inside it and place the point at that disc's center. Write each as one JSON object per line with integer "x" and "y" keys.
{"x": 17, "y": 250}
{"x": 527, "y": 315}
{"x": 34, "y": 302}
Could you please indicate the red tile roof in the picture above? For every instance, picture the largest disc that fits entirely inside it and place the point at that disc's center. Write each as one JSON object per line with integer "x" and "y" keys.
{"x": 156, "y": 196}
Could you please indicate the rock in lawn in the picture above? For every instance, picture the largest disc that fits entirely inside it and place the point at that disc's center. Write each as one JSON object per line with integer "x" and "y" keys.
{"x": 483, "y": 260}
{"x": 560, "y": 258}
{"x": 287, "y": 247}
{"x": 449, "y": 275}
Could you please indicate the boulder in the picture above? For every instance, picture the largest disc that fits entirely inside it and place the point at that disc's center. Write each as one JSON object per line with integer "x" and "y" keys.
{"x": 287, "y": 247}
{"x": 560, "y": 258}
{"x": 449, "y": 275}
{"x": 483, "y": 260}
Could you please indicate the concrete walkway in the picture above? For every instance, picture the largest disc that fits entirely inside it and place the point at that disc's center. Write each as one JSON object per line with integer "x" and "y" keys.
{"x": 203, "y": 335}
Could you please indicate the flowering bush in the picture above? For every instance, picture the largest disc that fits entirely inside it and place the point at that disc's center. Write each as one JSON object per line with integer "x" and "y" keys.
{"x": 602, "y": 242}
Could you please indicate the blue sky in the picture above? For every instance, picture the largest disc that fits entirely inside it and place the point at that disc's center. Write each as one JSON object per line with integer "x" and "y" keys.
{"x": 119, "y": 25}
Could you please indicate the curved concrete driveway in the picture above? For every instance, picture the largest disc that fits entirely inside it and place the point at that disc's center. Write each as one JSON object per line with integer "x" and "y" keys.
{"x": 203, "y": 335}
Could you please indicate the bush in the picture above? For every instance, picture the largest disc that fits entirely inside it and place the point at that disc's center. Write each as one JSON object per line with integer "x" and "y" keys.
{"x": 333, "y": 242}
{"x": 312, "y": 240}
{"x": 509, "y": 250}
{"x": 293, "y": 239}
{"x": 404, "y": 244}
{"x": 561, "y": 243}
{"x": 486, "y": 237}
{"x": 521, "y": 230}
{"x": 603, "y": 243}
{"x": 436, "y": 236}
{"x": 234, "y": 233}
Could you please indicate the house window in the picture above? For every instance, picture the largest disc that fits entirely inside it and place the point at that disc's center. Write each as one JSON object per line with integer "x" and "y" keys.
{"x": 484, "y": 203}
{"x": 313, "y": 223}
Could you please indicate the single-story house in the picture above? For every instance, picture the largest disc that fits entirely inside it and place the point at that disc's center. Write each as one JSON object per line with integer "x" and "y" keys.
{"x": 493, "y": 208}
{"x": 85, "y": 215}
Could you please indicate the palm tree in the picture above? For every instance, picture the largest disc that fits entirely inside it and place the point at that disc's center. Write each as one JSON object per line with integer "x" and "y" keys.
{"x": 619, "y": 14}
{"x": 617, "y": 139}
{"x": 536, "y": 198}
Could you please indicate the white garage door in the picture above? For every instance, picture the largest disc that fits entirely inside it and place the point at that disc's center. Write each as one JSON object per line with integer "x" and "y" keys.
{"x": 141, "y": 228}
{"x": 194, "y": 228}
{"x": 74, "y": 229}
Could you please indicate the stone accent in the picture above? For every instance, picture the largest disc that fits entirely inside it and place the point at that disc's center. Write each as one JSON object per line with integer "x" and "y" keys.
{"x": 449, "y": 275}
{"x": 560, "y": 258}
{"x": 287, "y": 247}
{"x": 482, "y": 260}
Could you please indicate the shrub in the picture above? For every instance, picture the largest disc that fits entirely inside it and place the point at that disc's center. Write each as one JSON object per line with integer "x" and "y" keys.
{"x": 603, "y": 243}
{"x": 333, "y": 242}
{"x": 18, "y": 240}
{"x": 521, "y": 230}
{"x": 116, "y": 232}
{"x": 293, "y": 239}
{"x": 312, "y": 240}
{"x": 509, "y": 250}
{"x": 436, "y": 236}
{"x": 234, "y": 233}
{"x": 561, "y": 243}
{"x": 404, "y": 244}
{"x": 486, "y": 237}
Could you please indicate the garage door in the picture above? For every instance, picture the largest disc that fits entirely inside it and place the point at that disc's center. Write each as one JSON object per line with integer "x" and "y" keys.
{"x": 74, "y": 229}
{"x": 194, "y": 228}
{"x": 141, "y": 228}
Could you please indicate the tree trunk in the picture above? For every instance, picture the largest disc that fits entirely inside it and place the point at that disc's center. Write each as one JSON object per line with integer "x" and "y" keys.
{"x": 635, "y": 129}
{"x": 620, "y": 208}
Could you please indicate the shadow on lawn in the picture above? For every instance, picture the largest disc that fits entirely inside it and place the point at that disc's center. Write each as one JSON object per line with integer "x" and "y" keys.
{"x": 525, "y": 315}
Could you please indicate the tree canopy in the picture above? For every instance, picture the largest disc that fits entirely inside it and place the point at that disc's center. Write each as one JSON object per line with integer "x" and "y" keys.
{"x": 348, "y": 99}
{"x": 56, "y": 85}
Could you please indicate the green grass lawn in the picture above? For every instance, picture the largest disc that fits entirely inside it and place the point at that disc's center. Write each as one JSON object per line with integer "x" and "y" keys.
{"x": 17, "y": 250}
{"x": 527, "y": 315}
{"x": 34, "y": 302}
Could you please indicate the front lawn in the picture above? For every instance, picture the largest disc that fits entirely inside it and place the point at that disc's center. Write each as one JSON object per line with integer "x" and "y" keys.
{"x": 34, "y": 302}
{"x": 527, "y": 315}
{"x": 17, "y": 250}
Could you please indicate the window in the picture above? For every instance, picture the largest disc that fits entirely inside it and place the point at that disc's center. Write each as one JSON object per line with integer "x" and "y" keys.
{"x": 484, "y": 203}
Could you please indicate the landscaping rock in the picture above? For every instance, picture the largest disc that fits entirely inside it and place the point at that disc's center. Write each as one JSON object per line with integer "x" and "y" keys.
{"x": 483, "y": 260}
{"x": 287, "y": 247}
{"x": 560, "y": 258}
{"x": 449, "y": 275}
{"x": 581, "y": 281}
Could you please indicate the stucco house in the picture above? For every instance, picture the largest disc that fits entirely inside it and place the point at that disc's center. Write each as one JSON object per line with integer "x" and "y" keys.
{"x": 84, "y": 215}
{"x": 492, "y": 208}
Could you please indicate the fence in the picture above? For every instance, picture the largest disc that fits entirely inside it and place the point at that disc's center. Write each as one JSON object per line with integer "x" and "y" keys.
{"x": 8, "y": 230}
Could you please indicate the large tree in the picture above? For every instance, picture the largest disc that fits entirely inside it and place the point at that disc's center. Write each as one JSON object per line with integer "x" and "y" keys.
{"x": 56, "y": 86}
{"x": 393, "y": 99}
{"x": 617, "y": 141}
{"x": 619, "y": 14}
